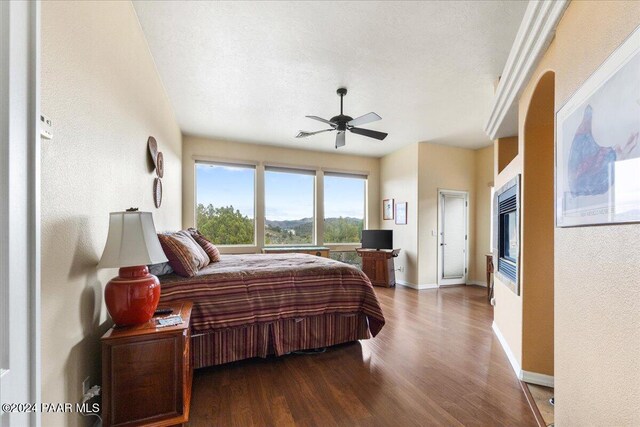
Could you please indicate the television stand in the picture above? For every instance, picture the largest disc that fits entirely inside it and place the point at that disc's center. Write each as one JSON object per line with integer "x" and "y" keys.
{"x": 378, "y": 265}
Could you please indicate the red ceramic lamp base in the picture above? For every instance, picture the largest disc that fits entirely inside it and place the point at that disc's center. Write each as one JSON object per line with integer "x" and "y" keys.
{"x": 133, "y": 296}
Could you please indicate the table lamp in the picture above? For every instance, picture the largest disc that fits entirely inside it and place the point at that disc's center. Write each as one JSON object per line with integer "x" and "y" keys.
{"x": 132, "y": 244}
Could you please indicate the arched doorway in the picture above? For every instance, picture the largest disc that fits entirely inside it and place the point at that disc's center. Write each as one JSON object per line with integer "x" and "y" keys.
{"x": 538, "y": 233}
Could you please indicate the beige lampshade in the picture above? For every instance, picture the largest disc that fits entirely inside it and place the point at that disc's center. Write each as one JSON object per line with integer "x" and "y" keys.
{"x": 132, "y": 241}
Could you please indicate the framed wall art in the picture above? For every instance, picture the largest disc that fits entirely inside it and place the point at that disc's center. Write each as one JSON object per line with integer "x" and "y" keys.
{"x": 598, "y": 144}
{"x": 387, "y": 209}
{"x": 401, "y": 213}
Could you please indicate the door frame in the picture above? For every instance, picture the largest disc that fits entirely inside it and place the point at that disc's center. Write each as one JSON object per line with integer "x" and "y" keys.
{"x": 20, "y": 361}
{"x": 440, "y": 280}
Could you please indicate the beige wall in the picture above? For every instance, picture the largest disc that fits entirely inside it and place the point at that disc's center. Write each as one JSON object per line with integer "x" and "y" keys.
{"x": 507, "y": 150}
{"x": 537, "y": 226}
{"x": 526, "y": 320}
{"x": 101, "y": 89}
{"x": 483, "y": 183}
{"x": 399, "y": 181}
{"x": 507, "y": 313}
{"x": 415, "y": 174}
{"x": 209, "y": 149}
{"x": 442, "y": 168}
{"x": 597, "y": 297}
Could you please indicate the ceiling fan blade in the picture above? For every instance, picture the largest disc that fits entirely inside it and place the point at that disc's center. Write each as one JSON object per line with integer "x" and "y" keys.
{"x": 370, "y": 133}
{"x": 340, "y": 140}
{"x": 367, "y": 118}
{"x": 304, "y": 134}
{"x": 320, "y": 119}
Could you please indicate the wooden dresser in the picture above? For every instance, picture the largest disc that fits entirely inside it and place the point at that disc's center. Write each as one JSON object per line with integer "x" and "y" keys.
{"x": 378, "y": 265}
{"x": 322, "y": 251}
{"x": 147, "y": 373}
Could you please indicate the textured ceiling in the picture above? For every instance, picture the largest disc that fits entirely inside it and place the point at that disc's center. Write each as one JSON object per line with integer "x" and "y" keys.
{"x": 251, "y": 71}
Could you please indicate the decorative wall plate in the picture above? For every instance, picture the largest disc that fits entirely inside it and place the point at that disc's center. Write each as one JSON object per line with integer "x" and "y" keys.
{"x": 157, "y": 192}
{"x": 153, "y": 150}
{"x": 160, "y": 165}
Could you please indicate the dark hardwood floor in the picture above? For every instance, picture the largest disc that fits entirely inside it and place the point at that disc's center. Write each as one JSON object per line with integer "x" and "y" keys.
{"x": 436, "y": 362}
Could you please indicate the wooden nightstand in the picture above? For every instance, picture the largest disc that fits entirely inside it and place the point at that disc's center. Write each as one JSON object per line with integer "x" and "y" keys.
{"x": 147, "y": 373}
{"x": 378, "y": 266}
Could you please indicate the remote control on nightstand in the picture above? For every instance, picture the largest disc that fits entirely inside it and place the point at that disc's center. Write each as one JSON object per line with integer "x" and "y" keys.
{"x": 168, "y": 321}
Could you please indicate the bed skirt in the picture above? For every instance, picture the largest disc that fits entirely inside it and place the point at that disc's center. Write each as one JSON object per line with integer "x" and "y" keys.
{"x": 276, "y": 338}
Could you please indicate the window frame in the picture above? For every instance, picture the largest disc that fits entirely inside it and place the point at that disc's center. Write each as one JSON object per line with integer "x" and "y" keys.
{"x": 346, "y": 246}
{"x": 259, "y": 200}
{"x": 292, "y": 170}
{"x": 235, "y": 248}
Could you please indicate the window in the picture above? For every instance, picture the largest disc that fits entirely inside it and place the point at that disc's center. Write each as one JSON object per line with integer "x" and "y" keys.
{"x": 344, "y": 207}
{"x": 289, "y": 196}
{"x": 225, "y": 203}
{"x": 348, "y": 257}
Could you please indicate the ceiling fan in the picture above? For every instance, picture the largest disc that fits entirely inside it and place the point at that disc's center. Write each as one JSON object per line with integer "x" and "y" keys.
{"x": 342, "y": 124}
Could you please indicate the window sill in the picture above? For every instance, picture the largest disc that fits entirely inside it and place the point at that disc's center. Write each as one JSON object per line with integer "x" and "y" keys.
{"x": 238, "y": 249}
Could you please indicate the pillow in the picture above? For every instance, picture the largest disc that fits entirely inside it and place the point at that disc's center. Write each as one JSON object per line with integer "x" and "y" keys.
{"x": 185, "y": 256}
{"x": 160, "y": 269}
{"x": 209, "y": 248}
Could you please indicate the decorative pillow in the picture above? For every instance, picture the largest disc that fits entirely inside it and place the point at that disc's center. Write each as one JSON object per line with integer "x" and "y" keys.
{"x": 209, "y": 248}
{"x": 185, "y": 256}
{"x": 160, "y": 269}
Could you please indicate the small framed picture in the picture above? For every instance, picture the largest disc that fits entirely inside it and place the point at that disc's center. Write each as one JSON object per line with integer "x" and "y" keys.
{"x": 387, "y": 209}
{"x": 401, "y": 213}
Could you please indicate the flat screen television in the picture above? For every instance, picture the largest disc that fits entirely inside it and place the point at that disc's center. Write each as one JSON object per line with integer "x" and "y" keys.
{"x": 377, "y": 239}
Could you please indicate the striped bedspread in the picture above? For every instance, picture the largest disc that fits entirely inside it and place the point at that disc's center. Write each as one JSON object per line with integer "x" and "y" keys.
{"x": 254, "y": 289}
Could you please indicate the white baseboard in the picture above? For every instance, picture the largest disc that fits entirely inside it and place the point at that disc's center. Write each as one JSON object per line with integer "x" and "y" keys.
{"x": 536, "y": 378}
{"x": 435, "y": 285}
{"x": 526, "y": 376}
{"x": 418, "y": 287}
{"x": 476, "y": 283}
{"x": 505, "y": 346}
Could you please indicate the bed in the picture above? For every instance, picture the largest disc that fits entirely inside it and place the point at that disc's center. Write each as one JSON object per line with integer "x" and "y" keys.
{"x": 257, "y": 305}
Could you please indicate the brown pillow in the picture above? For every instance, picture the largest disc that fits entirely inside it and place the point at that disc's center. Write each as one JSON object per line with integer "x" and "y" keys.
{"x": 209, "y": 248}
{"x": 185, "y": 256}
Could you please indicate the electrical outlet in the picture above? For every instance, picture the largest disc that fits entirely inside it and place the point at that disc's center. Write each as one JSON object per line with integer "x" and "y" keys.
{"x": 86, "y": 385}
{"x": 46, "y": 127}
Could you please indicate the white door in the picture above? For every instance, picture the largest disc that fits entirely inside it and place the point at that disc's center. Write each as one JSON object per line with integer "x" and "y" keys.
{"x": 453, "y": 238}
{"x": 19, "y": 210}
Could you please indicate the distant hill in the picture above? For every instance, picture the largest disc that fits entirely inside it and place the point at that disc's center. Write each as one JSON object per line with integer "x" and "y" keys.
{"x": 226, "y": 225}
{"x": 344, "y": 229}
{"x": 291, "y": 224}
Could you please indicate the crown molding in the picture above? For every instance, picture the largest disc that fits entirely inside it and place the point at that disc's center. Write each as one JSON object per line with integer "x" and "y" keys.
{"x": 533, "y": 38}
